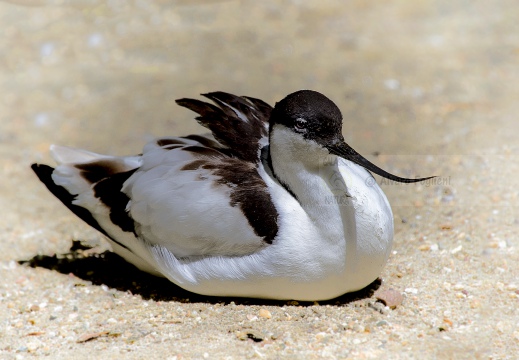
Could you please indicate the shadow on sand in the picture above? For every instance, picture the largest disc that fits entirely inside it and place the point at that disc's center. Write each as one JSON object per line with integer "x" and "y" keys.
{"x": 113, "y": 271}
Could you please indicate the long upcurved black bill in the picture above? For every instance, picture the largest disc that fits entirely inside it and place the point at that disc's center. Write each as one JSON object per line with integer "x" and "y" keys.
{"x": 347, "y": 152}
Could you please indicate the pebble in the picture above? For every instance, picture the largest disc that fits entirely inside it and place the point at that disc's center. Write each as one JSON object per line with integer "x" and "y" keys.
{"x": 90, "y": 336}
{"x": 264, "y": 313}
{"x": 457, "y": 249}
{"x": 458, "y": 287}
{"x": 424, "y": 247}
{"x": 358, "y": 328}
{"x": 320, "y": 336}
{"x": 474, "y": 304}
{"x": 251, "y": 317}
{"x": 390, "y": 298}
{"x": 32, "y": 346}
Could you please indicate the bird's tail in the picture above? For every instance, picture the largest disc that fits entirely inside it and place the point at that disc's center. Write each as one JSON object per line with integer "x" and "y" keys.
{"x": 90, "y": 185}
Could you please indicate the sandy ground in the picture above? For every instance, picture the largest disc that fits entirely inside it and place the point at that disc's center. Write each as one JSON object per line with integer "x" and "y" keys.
{"x": 426, "y": 88}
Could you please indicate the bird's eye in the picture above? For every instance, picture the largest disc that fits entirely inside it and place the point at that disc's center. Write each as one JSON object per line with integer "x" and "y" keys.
{"x": 300, "y": 125}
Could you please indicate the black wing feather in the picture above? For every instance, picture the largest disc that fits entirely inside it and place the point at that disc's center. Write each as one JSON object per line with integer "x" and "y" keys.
{"x": 239, "y": 134}
{"x": 44, "y": 173}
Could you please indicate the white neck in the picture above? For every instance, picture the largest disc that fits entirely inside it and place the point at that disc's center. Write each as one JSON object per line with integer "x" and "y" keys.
{"x": 312, "y": 174}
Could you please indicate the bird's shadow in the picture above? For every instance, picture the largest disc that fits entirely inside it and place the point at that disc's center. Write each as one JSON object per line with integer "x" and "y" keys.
{"x": 113, "y": 271}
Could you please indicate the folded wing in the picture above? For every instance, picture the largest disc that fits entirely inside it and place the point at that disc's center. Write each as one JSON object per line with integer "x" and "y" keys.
{"x": 196, "y": 195}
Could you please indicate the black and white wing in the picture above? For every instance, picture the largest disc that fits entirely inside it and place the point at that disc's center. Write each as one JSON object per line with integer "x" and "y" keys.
{"x": 195, "y": 195}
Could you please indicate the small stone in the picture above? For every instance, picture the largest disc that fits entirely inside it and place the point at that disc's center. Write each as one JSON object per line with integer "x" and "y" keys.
{"x": 32, "y": 346}
{"x": 458, "y": 287}
{"x": 391, "y": 298}
{"x": 379, "y": 306}
{"x": 251, "y": 317}
{"x": 258, "y": 354}
{"x": 90, "y": 336}
{"x": 241, "y": 335}
{"x": 358, "y": 328}
{"x": 264, "y": 313}
{"x": 474, "y": 304}
{"x": 456, "y": 249}
{"x": 320, "y": 336}
{"x": 34, "y": 308}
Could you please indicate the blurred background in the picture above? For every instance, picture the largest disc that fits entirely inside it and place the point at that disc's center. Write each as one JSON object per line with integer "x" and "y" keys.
{"x": 426, "y": 88}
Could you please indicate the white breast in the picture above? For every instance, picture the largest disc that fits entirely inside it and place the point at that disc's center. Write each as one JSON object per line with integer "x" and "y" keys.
{"x": 308, "y": 260}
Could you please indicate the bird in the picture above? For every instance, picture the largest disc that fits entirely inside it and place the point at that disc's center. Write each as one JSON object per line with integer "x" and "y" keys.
{"x": 271, "y": 203}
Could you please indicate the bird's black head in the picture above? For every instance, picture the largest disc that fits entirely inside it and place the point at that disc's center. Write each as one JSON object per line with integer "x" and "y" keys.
{"x": 310, "y": 114}
{"x": 316, "y": 118}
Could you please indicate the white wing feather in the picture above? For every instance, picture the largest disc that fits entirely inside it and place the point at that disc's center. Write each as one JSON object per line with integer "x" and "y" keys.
{"x": 186, "y": 211}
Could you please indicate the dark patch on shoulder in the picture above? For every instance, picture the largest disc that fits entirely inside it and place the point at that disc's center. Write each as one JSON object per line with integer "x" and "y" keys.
{"x": 44, "y": 173}
{"x": 250, "y": 193}
{"x": 109, "y": 192}
{"x": 97, "y": 170}
{"x": 203, "y": 151}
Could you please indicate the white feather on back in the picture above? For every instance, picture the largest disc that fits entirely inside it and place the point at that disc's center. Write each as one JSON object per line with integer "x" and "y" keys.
{"x": 186, "y": 211}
